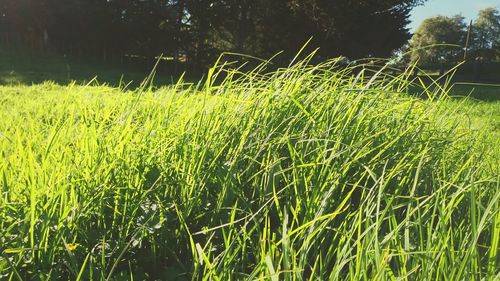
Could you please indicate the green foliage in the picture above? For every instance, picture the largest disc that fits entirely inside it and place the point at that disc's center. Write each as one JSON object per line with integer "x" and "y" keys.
{"x": 486, "y": 34}
{"x": 304, "y": 173}
{"x": 442, "y": 39}
{"x": 448, "y": 32}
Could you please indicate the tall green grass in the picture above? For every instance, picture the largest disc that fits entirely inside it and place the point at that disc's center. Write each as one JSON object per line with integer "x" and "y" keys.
{"x": 304, "y": 173}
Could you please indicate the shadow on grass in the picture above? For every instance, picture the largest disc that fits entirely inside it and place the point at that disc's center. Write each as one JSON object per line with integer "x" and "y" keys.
{"x": 22, "y": 67}
{"x": 456, "y": 88}
{"x": 485, "y": 92}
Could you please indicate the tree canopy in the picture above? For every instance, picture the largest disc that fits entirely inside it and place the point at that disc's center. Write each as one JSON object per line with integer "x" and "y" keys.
{"x": 486, "y": 34}
{"x": 198, "y": 30}
{"x": 443, "y": 39}
{"x": 438, "y": 39}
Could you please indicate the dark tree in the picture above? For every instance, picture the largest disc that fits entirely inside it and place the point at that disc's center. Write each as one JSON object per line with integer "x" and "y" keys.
{"x": 197, "y": 31}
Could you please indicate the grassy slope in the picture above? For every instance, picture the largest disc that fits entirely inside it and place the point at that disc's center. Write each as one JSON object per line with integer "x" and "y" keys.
{"x": 304, "y": 173}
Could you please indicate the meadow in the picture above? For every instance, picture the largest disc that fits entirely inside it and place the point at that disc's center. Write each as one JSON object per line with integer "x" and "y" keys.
{"x": 303, "y": 173}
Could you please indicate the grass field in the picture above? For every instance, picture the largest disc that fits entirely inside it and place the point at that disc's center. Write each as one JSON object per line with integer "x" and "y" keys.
{"x": 306, "y": 173}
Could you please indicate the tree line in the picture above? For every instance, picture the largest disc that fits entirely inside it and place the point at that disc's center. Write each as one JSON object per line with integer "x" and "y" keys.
{"x": 197, "y": 31}
{"x": 456, "y": 40}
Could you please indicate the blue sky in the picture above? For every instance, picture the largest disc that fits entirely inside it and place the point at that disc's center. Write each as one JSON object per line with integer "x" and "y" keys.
{"x": 468, "y": 9}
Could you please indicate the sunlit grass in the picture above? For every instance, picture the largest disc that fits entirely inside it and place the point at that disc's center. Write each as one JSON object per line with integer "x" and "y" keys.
{"x": 304, "y": 173}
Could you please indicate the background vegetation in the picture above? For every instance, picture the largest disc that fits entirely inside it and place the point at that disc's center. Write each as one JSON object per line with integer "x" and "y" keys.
{"x": 441, "y": 43}
{"x": 197, "y": 31}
